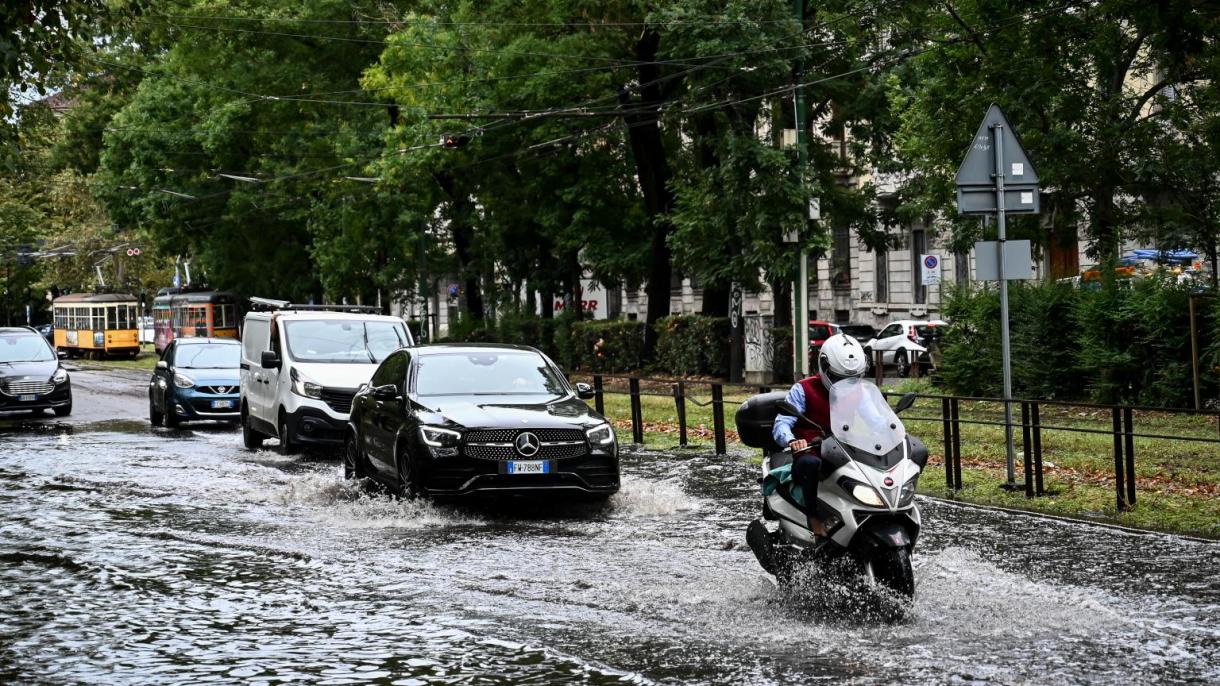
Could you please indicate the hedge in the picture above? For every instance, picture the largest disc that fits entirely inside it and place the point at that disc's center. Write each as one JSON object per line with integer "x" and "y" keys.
{"x": 608, "y": 346}
{"x": 1126, "y": 342}
{"x": 692, "y": 344}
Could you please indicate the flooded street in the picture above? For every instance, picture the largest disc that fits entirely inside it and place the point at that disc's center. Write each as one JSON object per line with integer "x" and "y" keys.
{"x": 132, "y": 555}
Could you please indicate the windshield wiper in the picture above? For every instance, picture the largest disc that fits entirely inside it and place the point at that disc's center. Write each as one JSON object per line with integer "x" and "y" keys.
{"x": 364, "y": 331}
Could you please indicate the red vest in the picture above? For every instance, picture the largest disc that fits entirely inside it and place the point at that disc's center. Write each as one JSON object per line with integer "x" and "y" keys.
{"x": 817, "y": 408}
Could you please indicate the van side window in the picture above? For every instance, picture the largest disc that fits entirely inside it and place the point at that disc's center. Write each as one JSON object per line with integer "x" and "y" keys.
{"x": 254, "y": 342}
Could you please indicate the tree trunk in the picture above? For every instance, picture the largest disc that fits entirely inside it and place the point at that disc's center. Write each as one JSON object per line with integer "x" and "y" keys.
{"x": 1105, "y": 225}
{"x": 715, "y": 301}
{"x": 781, "y": 292}
{"x": 462, "y": 227}
{"x": 641, "y": 115}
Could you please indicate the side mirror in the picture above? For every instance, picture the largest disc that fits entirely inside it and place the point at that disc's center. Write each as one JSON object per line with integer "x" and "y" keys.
{"x": 162, "y": 364}
{"x": 271, "y": 359}
{"x": 585, "y": 392}
{"x": 387, "y": 392}
{"x": 905, "y": 402}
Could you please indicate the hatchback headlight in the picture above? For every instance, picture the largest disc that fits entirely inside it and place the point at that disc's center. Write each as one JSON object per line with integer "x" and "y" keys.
{"x": 908, "y": 492}
{"x": 183, "y": 381}
{"x": 600, "y": 435}
{"x": 60, "y": 376}
{"x": 305, "y": 387}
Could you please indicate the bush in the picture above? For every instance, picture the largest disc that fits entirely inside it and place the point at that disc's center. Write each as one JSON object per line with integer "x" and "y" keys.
{"x": 608, "y": 346}
{"x": 693, "y": 344}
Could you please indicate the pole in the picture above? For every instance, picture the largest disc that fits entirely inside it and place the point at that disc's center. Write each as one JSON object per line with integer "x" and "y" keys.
{"x": 998, "y": 137}
{"x": 1194, "y": 354}
{"x": 800, "y": 322}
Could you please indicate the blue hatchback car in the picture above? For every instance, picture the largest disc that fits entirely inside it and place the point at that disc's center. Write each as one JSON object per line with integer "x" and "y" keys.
{"x": 196, "y": 378}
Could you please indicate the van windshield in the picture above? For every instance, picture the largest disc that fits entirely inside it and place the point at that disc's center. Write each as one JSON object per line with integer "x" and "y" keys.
{"x": 343, "y": 340}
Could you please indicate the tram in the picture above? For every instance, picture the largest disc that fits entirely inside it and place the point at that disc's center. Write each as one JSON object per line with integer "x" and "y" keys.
{"x": 97, "y": 324}
{"x": 180, "y": 313}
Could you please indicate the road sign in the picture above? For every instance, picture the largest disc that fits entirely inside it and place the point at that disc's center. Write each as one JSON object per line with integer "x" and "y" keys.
{"x": 977, "y": 178}
{"x": 1018, "y": 261}
{"x": 931, "y": 269}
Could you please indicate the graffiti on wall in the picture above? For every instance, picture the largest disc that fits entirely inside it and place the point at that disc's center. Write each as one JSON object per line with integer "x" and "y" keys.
{"x": 759, "y": 350}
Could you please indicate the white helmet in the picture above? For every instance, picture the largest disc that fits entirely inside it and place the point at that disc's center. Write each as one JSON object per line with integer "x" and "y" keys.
{"x": 841, "y": 357}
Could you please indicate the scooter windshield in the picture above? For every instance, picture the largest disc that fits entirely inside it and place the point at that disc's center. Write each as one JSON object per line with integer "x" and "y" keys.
{"x": 860, "y": 417}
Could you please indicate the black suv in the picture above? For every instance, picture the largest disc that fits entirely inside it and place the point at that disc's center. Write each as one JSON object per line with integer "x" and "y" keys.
{"x": 454, "y": 420}
{"x": 30, "y": 375}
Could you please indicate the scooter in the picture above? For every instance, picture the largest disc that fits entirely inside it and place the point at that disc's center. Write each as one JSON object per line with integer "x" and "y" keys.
{"x": 866, "y": 496}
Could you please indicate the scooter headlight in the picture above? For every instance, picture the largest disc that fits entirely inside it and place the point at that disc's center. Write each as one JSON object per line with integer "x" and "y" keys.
{"x": 907, "y": 495}
{"x": 867, "y": 495}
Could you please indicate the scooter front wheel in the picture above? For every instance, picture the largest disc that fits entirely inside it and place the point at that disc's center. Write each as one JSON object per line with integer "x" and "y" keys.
{"x": 892, "y": 569}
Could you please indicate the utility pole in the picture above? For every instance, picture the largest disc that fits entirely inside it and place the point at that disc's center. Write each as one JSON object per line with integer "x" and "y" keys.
{"x": 1006, "y": 359}
{"x": 800, "y": 319}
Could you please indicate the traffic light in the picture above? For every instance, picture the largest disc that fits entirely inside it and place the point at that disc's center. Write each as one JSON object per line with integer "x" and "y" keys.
{"x": 454, "y": 140}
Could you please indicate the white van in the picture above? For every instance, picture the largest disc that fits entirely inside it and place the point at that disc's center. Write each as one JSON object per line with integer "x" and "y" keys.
{"x": 302, "y": 364}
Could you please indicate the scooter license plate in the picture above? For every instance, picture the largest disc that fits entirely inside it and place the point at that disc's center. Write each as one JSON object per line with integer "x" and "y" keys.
{"x": 532, "y": 467}
{"x": 222, "y": 404}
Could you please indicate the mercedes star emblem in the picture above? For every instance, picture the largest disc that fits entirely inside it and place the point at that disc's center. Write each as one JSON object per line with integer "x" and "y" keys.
{"x": 527, "y": 444}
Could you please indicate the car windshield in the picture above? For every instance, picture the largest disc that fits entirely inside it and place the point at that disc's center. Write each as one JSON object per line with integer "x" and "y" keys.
{"x": 208, "y": 356}
{"x": 26, "y": 347}
{"x": 343, "y": 340}
{"x": 820, "y": 331}
{"x": 487, "y": 373}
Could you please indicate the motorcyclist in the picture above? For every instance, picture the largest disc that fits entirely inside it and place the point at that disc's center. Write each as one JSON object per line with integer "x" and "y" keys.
{"x": 840, "y": 357}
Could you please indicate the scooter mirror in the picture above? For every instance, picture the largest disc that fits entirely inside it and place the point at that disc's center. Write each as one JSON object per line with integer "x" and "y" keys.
{"x": 904, "y": 402}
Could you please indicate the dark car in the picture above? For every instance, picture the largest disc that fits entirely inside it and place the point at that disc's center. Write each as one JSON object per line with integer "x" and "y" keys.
{"x": 196, "y": 378}
{"x": 30, "y": 375}
{"x": 454, "y": 420}
{"x": 861, "y": 332}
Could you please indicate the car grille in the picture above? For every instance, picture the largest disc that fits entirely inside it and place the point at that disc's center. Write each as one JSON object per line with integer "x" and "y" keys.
{"x": 510, "y": 435}
{"x": 497, "y": 444}
{"x": 27, "y": 387}
{"x": 339, "y": 399}
{"x": 218, "y": 390}
{"x": 507, "y": 452}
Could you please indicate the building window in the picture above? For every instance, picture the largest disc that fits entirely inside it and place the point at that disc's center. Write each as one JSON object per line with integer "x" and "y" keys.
{"x": 961, "y": 269}
{"x": 881, "y": 271}
{"x": 919, "y": 246}
{"x": 840, "y": 264}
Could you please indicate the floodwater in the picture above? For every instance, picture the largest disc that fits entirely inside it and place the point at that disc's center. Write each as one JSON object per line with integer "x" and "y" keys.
{"x": 131, "y": 555}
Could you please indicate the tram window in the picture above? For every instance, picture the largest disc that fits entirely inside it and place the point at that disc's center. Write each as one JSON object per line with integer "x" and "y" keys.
{"x": 112, "y": 318}
{"x": 226, "y": 316}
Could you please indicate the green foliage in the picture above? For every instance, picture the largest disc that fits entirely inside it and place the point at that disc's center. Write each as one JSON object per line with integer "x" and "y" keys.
{"x": 608, "y": 346}
{"x": 693, "y": 344}
{"x": 1126, "y": 342}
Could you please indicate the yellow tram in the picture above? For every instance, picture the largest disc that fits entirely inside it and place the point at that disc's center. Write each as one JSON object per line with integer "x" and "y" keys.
{"x": 97, "y": 324}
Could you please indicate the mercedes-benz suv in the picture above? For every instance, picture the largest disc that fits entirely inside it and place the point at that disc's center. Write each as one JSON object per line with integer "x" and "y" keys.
{"x": 31, "y": 377}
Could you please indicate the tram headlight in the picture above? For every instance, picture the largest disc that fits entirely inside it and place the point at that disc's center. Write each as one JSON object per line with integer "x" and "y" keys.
{"x": 183, "y": 381}
{"x": 907, "y": 494}
{"x": 60, "y": 376}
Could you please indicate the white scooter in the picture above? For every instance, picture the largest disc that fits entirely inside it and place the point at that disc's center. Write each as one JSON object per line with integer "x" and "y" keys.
{"x": 866, "y": 496}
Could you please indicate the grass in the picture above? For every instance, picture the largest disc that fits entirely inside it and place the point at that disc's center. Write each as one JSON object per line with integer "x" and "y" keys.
{"x": 1177, "y": 481}
{"x": 145, "y": 361}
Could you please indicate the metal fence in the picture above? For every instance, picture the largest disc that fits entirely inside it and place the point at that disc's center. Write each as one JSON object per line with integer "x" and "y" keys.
{"x": 1122, "y": 425}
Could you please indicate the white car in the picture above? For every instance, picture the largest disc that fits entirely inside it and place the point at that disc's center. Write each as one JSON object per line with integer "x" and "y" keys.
{"x": 301, "y": 366}
{"x": 902, "y": 341}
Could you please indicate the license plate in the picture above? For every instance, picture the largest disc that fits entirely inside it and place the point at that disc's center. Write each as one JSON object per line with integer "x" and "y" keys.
{"x": 222, "y": 404}
{"x": 26, "y": 398}
{"x": 535, "y": 467}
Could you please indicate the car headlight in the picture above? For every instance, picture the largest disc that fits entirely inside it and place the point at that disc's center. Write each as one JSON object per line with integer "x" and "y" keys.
{"x": 907, "y": 494}
{"x": 442, "y": 442}
{"x": 183, "y": 381}
{"x": 600, "y": 435}
{"x": 865, "y": 493}
{"x": 305, "y": 387}
{"x": 60, "y": 376}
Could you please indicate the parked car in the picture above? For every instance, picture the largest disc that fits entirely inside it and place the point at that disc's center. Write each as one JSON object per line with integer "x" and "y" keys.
{"x": 301, "y": 366}
{"x": 31, "y": 377}
{"x": 819, "y": 331}
{"x": 196, "y": 379}
{"x": 861, "y": 332}
{"x": 455, "y": 420}
{"x": 902, "y": 341}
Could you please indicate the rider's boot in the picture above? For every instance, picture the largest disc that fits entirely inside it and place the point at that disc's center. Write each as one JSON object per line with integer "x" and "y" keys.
{"x": 817, "y": 527}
